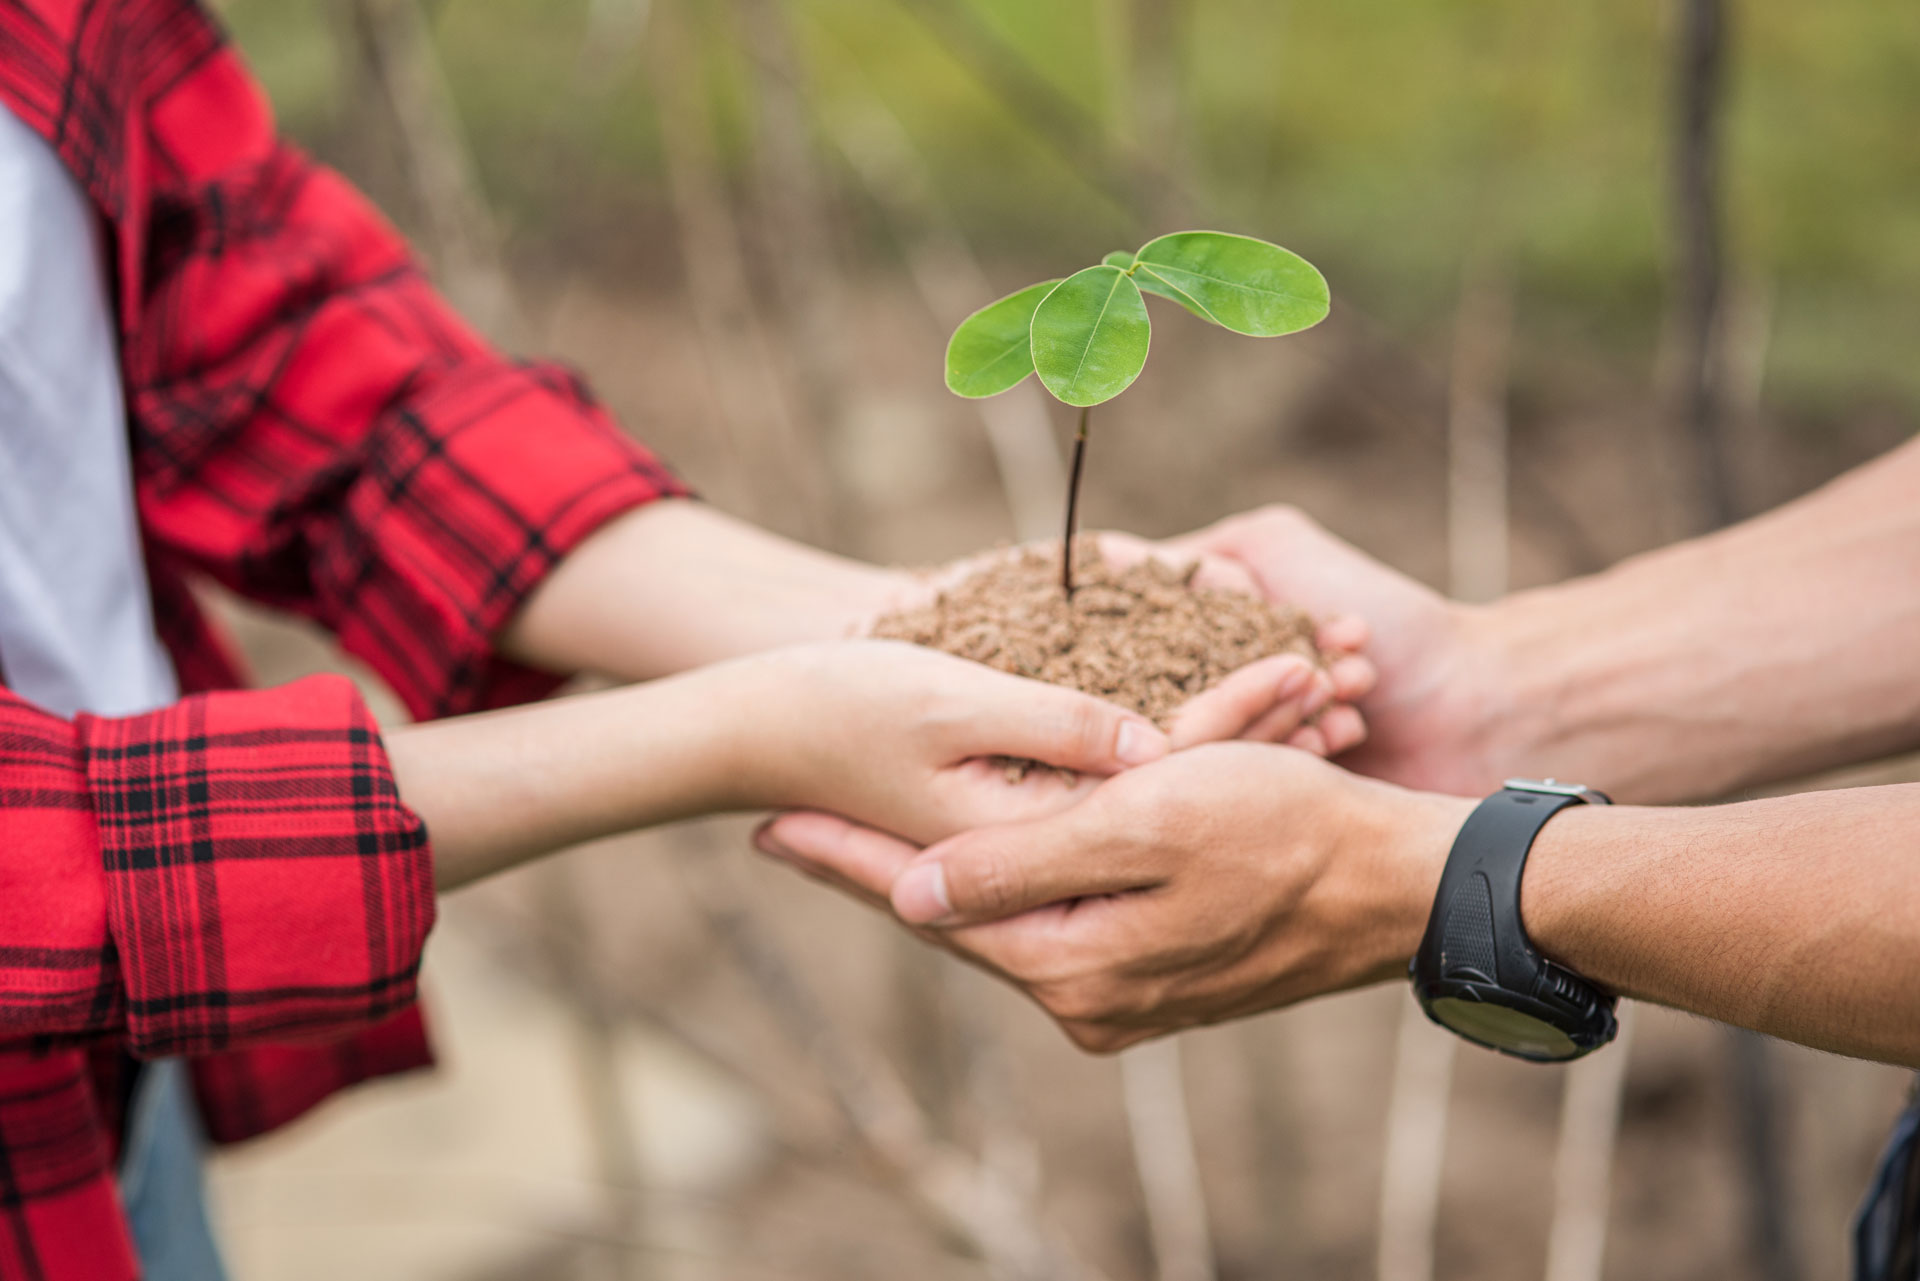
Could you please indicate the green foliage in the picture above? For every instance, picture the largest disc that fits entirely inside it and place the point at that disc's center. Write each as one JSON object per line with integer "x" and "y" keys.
{"x": 1087, "y": 335}
{"x": 992, "y": 351}
{"x": 1090, "y": 336}
{"x": 1151, "y": 283}
{"x": 1239, "y": 283}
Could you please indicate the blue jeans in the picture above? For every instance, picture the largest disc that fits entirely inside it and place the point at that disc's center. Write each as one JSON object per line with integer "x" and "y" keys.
{"x": 1886, "y": 1235}
{"x": 160, "y": 1178}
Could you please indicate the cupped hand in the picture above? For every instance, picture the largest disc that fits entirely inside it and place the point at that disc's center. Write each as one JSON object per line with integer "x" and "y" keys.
{"x": 1220, "y": 881}
{"x": 919, "y": 743}
{"x": 1321, "y": 719}
{"x": 1426, "y": 714}
{"x": 1283, "y": 698}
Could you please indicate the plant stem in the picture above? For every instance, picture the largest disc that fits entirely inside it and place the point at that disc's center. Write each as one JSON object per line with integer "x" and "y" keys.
{"x": 1073, "y": 504}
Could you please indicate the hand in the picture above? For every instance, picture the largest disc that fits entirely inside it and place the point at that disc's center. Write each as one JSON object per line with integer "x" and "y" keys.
{"x": 899, "y": 737}
{"x": 916, "y": 742}
{"x": 1221, "y": 881}
{"x": 1278, "y": 699}
{"x": 1427, "y": 716}
{"x": 1324, "y": 722}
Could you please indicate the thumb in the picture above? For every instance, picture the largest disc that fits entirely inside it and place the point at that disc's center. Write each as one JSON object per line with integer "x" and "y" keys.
{"x": 993, "y": 873}
{"x": 860, "y": 860}
{"x": 1122, "y": 550}
{"x": 1284, "y": 688}
{"x": 1031, "y": 720}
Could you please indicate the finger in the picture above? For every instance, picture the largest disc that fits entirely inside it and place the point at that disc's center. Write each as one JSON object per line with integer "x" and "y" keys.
{"x": 1255, "y": 693}
{"x": 1000, "y": 872}
{"x": 1308, "y": 738}
{"x": 1343, "y": 728}
{"x": 1353, "y": 678}
{"x": 1343, "y": 634}
{"x": 1025, "y": 948}
{"x": 1123, "y": 551}
{"x": 982, "y": 793}
{"x": 851, "y": 857}
{"x": 1060, "y": 727}
{"x": 1104, "y": 1038}
{"x": 1277, "y": 726}
{"x": 1221, "y": 574}
{"x": 1104, "y": 935}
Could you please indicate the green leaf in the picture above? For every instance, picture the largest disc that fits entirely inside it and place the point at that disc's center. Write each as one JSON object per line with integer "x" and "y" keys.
{"x": 1119, "y": 258}
{"x": 1150, "y": 283}
{"x": 1247, "y": 285}
{"x": 1090, "y": 336}
{"x": 990, "y": 351}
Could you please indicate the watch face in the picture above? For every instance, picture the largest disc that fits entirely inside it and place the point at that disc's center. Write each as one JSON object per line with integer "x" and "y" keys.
{"x": 1503, "y": 1029}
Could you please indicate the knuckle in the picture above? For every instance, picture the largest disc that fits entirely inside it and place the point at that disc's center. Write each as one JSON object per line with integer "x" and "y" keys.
{"x": 996, "y": 883}
{"x": 1093, "y": 1039}
{"x": 1282, "y": 513}
{"x": 1083, "y": 1000}
{"x": 1284, "y": 519}
{"x": 1088, "y": 727}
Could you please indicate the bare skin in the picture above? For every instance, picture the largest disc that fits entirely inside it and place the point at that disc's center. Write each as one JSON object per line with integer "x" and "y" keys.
{"x": 1238, "y": 877}
{"x": 756, "y": 700}
{"x": 675, "y": 585}
{"x": 1775, "y": 648}
{"x": 894, "y": 735}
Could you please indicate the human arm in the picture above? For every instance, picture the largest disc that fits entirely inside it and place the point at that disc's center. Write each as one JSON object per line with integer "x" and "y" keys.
{"x": 1236, "y": 878}
{"x": 1777, "y": 647}
{"x": 897, "y": 736}
{"x": 676, "y": 584}
{"x": 673, "y": 585}
{"x": 241, "y": 868}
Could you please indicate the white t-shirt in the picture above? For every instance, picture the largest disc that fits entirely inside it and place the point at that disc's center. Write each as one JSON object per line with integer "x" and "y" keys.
{"x": 76, "y": 620}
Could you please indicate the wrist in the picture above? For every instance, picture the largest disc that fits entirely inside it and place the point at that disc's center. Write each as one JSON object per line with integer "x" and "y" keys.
{"x": 1590, "y": 674}
{"x": 1562, "y": 893}
{"x": 1405, "y": 837}
{"x": 1447, "y": 721}
{"x": 1527, "y": 655}
{"x": 748, "y": 750}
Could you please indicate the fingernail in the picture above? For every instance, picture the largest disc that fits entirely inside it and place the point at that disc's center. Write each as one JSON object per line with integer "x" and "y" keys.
{"x": 1293, "y": 680}
{"x": 1139, "y": 744}
{"x": 920, "y": 895}
{"x": 763, "y": 840}
{"x": 1319, "y": 696}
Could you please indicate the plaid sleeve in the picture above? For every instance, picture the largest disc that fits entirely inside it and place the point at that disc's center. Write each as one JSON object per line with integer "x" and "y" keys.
{"x": 233, "y": 868}
{"x": 315, "y": 428}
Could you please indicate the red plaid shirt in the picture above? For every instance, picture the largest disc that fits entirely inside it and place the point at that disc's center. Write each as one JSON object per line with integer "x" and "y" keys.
{"x": 234, "y": 878}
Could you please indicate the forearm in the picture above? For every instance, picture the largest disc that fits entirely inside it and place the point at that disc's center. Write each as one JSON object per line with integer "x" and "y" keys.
{"x": 1778, "y": 647}
{"x": 675, "y": 585}
{"x": 500, "y": 788}
{"x": 1798, "y": 917}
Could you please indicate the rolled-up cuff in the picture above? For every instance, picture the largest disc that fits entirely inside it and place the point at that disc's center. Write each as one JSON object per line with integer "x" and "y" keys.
{"x": 264, "y": 880}
{"x": 504, "y": 471}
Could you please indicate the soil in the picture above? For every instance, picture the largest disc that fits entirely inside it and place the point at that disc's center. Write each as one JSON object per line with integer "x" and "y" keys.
{"x": 1146, "y": 636}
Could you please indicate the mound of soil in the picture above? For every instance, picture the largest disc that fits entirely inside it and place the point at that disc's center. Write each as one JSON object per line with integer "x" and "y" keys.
{"x": 1145, "y": 637}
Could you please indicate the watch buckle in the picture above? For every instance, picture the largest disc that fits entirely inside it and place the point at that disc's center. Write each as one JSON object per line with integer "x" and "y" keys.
{"x": 1547, "y": 786}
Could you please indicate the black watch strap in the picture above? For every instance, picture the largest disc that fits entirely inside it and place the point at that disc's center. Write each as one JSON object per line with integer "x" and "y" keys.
{"x": 1475, "y": 945}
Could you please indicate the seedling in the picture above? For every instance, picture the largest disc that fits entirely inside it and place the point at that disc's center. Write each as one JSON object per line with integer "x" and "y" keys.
{"x": 1087, "y": 335}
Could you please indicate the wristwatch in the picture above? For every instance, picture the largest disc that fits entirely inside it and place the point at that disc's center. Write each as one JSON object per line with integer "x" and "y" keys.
{"x": 1477, "y": 973}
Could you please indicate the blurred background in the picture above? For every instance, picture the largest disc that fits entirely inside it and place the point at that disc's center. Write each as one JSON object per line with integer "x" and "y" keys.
{"x": 1604, "y": 275}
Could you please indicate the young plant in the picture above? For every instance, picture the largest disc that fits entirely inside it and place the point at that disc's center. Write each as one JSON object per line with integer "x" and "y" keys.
{"x": 1087, "y": 335}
